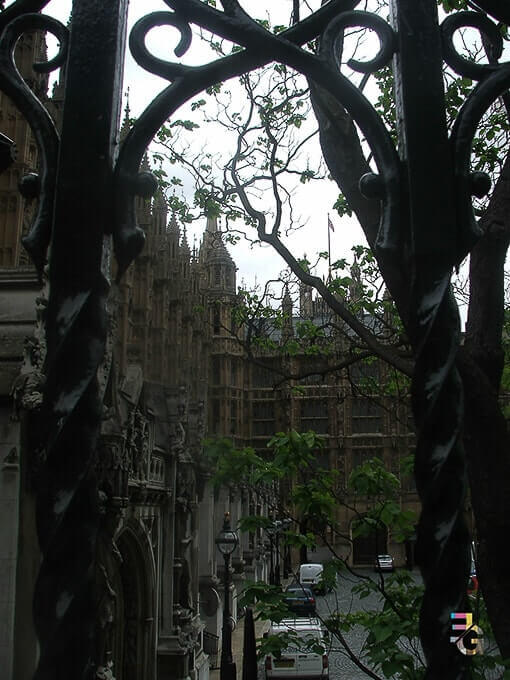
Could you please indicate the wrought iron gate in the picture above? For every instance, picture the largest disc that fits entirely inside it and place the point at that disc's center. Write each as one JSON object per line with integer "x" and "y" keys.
{"x": 85, "y": 174}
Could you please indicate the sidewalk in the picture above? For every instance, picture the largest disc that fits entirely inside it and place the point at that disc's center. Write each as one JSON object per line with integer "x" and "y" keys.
{"x": 237, "y": 647}
{"x": 238, "y": 639}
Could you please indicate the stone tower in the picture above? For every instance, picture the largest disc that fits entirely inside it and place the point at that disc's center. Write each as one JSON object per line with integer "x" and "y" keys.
{"x": 15, "y": 212}
{"x": 226, "y": 378}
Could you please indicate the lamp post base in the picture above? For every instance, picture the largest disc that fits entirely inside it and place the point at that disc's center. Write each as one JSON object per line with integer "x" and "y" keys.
{"x": 228, "y": 670}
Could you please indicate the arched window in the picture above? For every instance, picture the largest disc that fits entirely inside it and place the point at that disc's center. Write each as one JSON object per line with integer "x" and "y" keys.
{"x": 216, "y": 321}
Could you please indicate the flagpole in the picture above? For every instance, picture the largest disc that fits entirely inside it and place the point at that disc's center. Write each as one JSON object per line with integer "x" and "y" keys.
{"x": 329, "y": 249}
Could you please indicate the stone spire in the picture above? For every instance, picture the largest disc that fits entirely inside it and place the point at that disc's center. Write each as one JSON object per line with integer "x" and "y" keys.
{"x": 159, "y": 212}
{"x": 211, "y": 225}
{"x": 173, "y": 227}
{"x": 356, "y": 286}
{"x": 145, "y": 166}
{"x": 288, "y": 328}
{"x": 185, "y": 249}
{"x": 174, "y": 236}
{"x": 286, "y": 301}
{"x": 126, "y": 123}
{"x": 185, "y": 254}
{"x": 212, "y": 245}
{"x": 220, "y": 269}
{"x": 305, "y": 297}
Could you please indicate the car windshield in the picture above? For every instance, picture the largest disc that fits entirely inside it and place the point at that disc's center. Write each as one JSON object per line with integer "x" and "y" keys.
{"x": 305, "y": 643}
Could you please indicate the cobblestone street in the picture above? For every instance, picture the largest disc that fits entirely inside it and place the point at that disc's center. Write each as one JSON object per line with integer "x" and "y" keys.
{"x": 341, "y": 667}
{"x": 344, "y": 600}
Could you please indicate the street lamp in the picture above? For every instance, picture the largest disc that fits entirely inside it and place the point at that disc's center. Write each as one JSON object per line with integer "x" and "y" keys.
{"x": 274, "y": 530}
{"x": 226, "y": 543}
{"x": 270, "y": 532}
{"x": 287, "y": 566}
{"x": 278, "y": 525}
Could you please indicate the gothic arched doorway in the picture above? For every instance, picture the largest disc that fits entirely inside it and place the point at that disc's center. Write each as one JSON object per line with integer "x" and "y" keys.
{"x": 134, "y": 619}
{"x": 366, "y": 547}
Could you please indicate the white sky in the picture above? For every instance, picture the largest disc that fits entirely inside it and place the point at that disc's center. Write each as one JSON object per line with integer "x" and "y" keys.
{"x": 313, "y": 201}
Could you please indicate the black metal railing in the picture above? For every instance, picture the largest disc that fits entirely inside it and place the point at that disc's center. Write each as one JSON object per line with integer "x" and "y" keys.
{"x": 212, "y": 647}
{"x": 87, "y": 186}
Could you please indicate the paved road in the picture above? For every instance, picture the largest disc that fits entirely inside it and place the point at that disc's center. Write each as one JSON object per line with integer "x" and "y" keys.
{"x": 344, "y": 600}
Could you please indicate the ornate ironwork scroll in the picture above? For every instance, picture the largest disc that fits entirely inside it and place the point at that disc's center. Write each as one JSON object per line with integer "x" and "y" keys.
{"x": 13, "y": 24}
{"x": 99, "y": 190}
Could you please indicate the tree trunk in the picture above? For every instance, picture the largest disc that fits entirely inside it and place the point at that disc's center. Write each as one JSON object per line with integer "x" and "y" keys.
{"x": 488, "y": 462}
{"x": 486, "y": 438}
{"x": 480, "y": 360}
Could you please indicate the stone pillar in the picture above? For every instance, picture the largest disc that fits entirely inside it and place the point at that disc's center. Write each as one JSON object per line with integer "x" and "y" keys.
{"x": 9, "y": 526}
{"x": 206, "y": 532}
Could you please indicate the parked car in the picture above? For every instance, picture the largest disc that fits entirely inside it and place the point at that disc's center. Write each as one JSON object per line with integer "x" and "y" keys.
{"x": 298, "y": 660}
{"x": 311, "y": 575}
{"x": 300, "y": 600}
{"x": 384, "y": 563}
{"x": 472, "y": 587}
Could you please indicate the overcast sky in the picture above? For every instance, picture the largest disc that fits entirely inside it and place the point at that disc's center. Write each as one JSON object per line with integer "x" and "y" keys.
{"x": 312, "y": 202}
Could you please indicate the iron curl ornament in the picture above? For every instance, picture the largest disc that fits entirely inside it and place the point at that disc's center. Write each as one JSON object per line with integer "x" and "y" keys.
{"x": 86, "y": 174}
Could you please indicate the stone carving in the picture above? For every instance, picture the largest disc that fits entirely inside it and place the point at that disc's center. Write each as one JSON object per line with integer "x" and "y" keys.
{"x": 202, "y": 468}
{"x": 11, "y": 460}
{"x": 157, "y": 470}
{"x": 106, "y": 597}
{"x": 26, "y": 390}
{"x": 201, "y": 420}
{"x": 151, "y": 526}
{"x": 185, "y": 489}
{"x": 113, "y": 466}
{"x": 142, "y": 459}
{"x": 182, "y": 583}
{"x": 178, "y": 436}
{"x": 104, "y": 629}
{"x": 187, "y": 637}
{"x": 138, "y": 445}
{"x": 112, "y": 306}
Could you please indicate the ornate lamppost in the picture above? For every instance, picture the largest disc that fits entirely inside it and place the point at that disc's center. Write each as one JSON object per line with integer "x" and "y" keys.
{"x": 278, "y": 525}
{"x": 287, "y": 566}
{"x": 271, "y": 534}
{"x": 274, "y": 530}
{"x": 226, "y": 543}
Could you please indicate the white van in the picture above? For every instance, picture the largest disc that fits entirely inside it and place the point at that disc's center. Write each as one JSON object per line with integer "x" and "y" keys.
{"x": 311, "y": 575}
{"x": 297, "y": 661}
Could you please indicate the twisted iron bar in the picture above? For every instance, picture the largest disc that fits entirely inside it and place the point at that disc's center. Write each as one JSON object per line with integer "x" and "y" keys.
{"x": 67, "y": 500}
{"x": 67, "y": 509}
{"x": 11, "y": 82}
